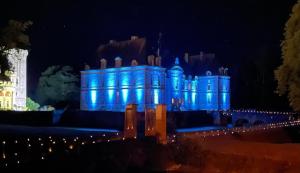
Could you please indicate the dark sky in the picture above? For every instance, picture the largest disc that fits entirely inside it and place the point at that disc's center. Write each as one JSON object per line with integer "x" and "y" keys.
{"x": 69, "y": 32}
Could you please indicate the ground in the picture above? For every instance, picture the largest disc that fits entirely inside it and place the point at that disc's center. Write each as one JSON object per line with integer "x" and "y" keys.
{"x": 273, "y": 150}
{"x": 261, "y": 151}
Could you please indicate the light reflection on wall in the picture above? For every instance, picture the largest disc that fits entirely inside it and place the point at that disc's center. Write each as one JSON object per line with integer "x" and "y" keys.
{"x": 209, "y": 98}
{"x": 193, "y": 98}
{"x": 125, "y": 95}
{"x": 139, "y": 95}
{"x": 110, "y": 95}
{"x": 156, "y": 96}
{"x": 93, "y": 97}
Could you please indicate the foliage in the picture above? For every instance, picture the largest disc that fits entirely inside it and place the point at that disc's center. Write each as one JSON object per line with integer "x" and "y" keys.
{"x": 57, "y": 84}
{"x": 31, "y": 105}
{"x": 12, "y": 36}
{"x": 47, "y": 108}
{"x": 288, "y": 74}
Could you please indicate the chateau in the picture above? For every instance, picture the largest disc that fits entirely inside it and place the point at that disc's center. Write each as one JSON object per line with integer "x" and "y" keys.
{"x": 13, "y": 93}
{"x": 111, "y": 89}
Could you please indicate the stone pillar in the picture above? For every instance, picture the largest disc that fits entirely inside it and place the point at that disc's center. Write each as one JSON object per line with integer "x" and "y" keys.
{"x": 161, "y": 123}
{"x": 130, "y": 121}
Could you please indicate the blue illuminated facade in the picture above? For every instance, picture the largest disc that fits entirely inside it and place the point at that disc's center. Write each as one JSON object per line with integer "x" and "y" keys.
{"x": 111, "y": 89}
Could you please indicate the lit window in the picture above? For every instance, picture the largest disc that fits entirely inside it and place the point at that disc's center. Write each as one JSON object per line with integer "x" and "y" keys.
{"x": 7, "y": 94}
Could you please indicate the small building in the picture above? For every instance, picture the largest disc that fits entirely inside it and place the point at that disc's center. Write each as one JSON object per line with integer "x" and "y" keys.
{"x": 111, "y": 89}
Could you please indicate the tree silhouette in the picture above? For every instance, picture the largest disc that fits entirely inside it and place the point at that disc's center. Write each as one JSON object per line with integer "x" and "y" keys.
{"x": 57, "y": 84}
{"x": 288, "y": 74}
{"x": 12, "y": 36}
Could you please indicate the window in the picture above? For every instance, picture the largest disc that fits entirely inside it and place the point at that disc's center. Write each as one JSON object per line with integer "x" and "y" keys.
{"x": 7, "y": 94}
{"x": 176, "y": 84}
{"x": 208, "y": 87}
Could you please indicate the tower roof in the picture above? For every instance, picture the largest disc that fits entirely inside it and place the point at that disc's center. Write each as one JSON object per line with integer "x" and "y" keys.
{"x": 176, "y": 65}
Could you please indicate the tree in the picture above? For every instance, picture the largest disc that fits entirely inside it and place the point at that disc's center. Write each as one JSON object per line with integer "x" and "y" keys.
{"x": 12, "y": 36}
{"x": 31, "y": 105}
{"x": 57, "y": 84}
{"x": 288, "y": 74}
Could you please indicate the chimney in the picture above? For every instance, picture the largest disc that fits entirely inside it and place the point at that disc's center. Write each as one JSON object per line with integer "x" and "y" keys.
{"x": 158, "y": 61}
{"x": 103, "y": 63}
{"x": 86, "y": 66}
{"x": 186, "y": 57}
{"x": 151, "y": 60}
{"x": 112, "y": 41}
{"x": 134, "y": 37}
{"x": 118, "y": 62}
{"x": 221, "y": 71}
{"x": 134, "y": 62}
{"x": 225, "y": 71}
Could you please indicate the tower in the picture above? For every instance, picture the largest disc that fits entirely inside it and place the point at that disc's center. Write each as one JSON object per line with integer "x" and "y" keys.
{"x": 174, "y": 93}
{"x": 18, "y": 60}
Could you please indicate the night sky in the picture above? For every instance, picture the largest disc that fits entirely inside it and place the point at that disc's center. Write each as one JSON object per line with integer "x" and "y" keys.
{"x": 69, "y": 32}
